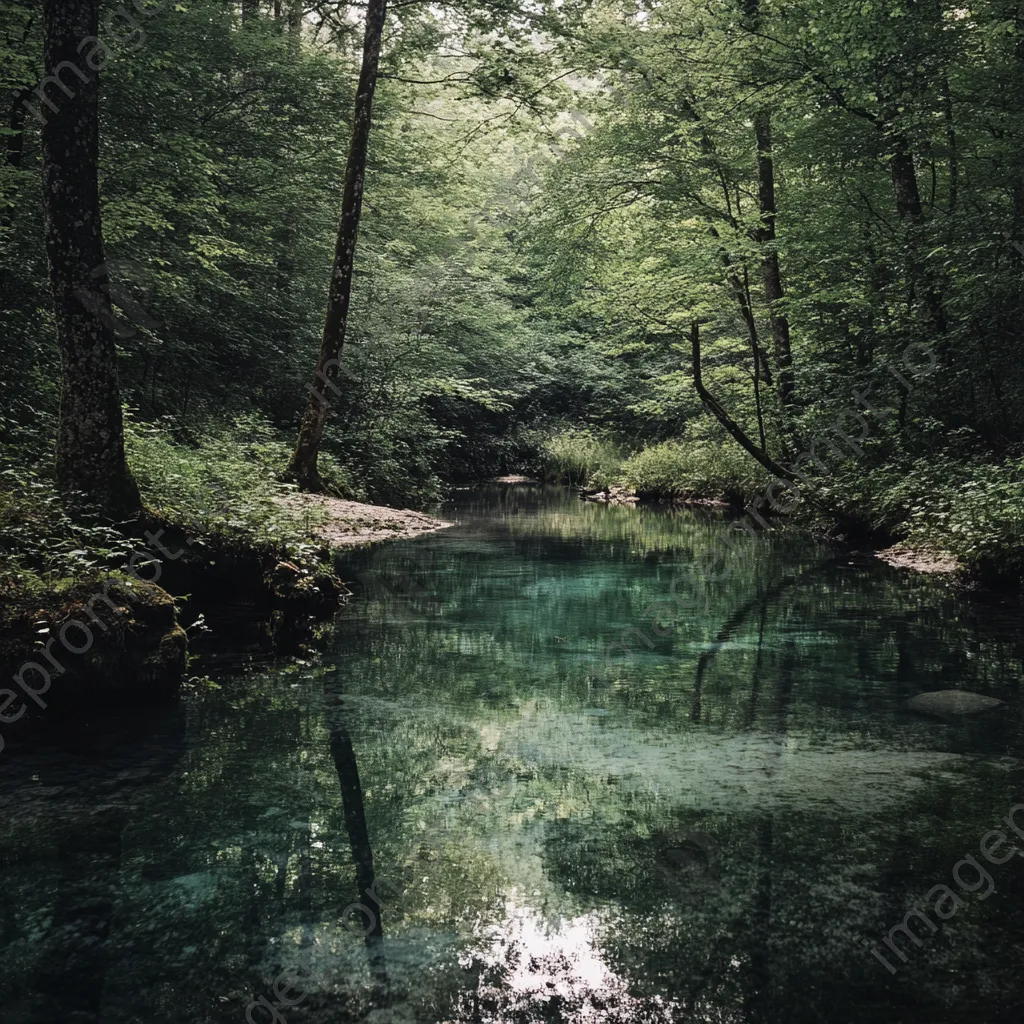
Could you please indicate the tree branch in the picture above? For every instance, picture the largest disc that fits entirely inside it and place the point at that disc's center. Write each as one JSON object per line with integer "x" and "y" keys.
{"x": 713, "y": 406}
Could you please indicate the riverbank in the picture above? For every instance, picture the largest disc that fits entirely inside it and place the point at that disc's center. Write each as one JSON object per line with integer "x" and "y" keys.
{"x": 340, "y": 523}
{"x": 929, "y": 561}
{"x": 947, "y": 503}
{"x": 91, "y": 614}
{"x": 964, "y": 520}
{"x": 889, "y": 544}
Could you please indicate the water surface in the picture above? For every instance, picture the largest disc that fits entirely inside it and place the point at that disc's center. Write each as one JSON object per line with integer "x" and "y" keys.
{"x": 717, "y": 821}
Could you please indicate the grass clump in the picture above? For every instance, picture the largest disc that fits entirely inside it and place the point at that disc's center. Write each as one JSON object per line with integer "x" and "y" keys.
{"x": 581, "y": 458}
{"x": 695, "y": 468}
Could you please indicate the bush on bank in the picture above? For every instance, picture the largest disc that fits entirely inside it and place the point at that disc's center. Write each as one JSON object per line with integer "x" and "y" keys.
{"x": 690, "y": 470}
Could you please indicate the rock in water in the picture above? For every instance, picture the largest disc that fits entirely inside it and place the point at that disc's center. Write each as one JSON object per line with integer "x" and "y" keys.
{"x": 951, "y": 703}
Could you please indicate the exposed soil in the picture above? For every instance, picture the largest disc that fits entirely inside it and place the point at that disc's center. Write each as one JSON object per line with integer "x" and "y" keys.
{"x": 352, "y": 524}
{"x": 514, "y": 478}
{"x": 920, "y": 560}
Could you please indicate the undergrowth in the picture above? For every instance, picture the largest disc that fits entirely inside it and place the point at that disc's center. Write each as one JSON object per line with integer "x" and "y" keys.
{"x": 221, "y": 488}
{"x": 692, "y": 469}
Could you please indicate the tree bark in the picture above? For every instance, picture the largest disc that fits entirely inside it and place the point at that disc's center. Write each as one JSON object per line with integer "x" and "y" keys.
{"x": 904, "y": 182}
{"x": 303, "y": 467}
{"x": 90, "y": 434}
{"x": 766, "y": 238}
{"x": 770, "y": 259}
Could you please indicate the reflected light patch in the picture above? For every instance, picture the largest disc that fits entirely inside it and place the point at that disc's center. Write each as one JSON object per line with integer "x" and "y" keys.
{"x": 531, "y": 969}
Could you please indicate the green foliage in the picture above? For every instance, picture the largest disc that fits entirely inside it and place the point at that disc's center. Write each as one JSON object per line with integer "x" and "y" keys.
{"x": 972, "y": 509}
{"x": 695, "y": 468}
{"x": 554, "y": 198}
{"x": 42, "y": 544}
{"x": 221, "y": 194}
{"x": 580, "y": 457}
{"x": 221, "y": 486}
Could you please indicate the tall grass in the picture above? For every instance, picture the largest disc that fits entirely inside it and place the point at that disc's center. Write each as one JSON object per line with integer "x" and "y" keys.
{"x": 692, "y": 469}
{"x": 581, "y": 458}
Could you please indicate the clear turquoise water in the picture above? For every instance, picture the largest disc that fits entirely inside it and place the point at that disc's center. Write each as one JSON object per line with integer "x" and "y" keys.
{"x": 718, "y": 826}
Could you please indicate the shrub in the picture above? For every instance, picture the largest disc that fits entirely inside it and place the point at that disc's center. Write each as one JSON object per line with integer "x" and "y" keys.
{"x": 976, "y": 512}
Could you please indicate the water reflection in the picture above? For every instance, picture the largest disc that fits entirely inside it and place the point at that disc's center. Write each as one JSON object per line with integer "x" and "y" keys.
{"x": 711, "y": 833}
{"x": 367, "y": 904}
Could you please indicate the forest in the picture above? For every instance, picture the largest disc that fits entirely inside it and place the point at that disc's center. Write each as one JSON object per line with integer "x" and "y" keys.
{"x": 559, "y": 198}
{"x": 283, "y": 278}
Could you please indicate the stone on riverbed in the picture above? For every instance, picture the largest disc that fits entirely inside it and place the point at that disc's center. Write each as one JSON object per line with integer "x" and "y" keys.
{"x": 951, "y": 703}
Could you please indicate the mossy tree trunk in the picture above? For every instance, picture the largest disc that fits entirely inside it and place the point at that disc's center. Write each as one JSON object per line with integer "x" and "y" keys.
{"x": 303, "y": 467}
{"x": 90, "y": 436}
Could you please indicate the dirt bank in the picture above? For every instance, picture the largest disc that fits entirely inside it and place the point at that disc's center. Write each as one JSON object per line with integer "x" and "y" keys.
{"x": 347, "y": 524}
{"x": 919, "y": 559}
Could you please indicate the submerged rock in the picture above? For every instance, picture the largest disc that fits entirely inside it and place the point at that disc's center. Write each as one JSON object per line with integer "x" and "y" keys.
{"x": 688, "y": 858}
{"x": 951, "y": 703}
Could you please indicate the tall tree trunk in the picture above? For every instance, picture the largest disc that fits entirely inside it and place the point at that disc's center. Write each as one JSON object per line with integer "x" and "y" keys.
{"x": 911, "y": 212}
{"x": 740, "y": 287}
{"x": 303, "y": 468}
{"x": 758, "y": 407}
{"x": 904, "y": 182}
{"x": 770, "y": 259}
{"x": 766, "y": 237}
{"x": 90, "y": 433}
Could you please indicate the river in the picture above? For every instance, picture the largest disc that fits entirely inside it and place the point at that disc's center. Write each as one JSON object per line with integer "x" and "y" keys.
{"x": 464, "y": 807}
